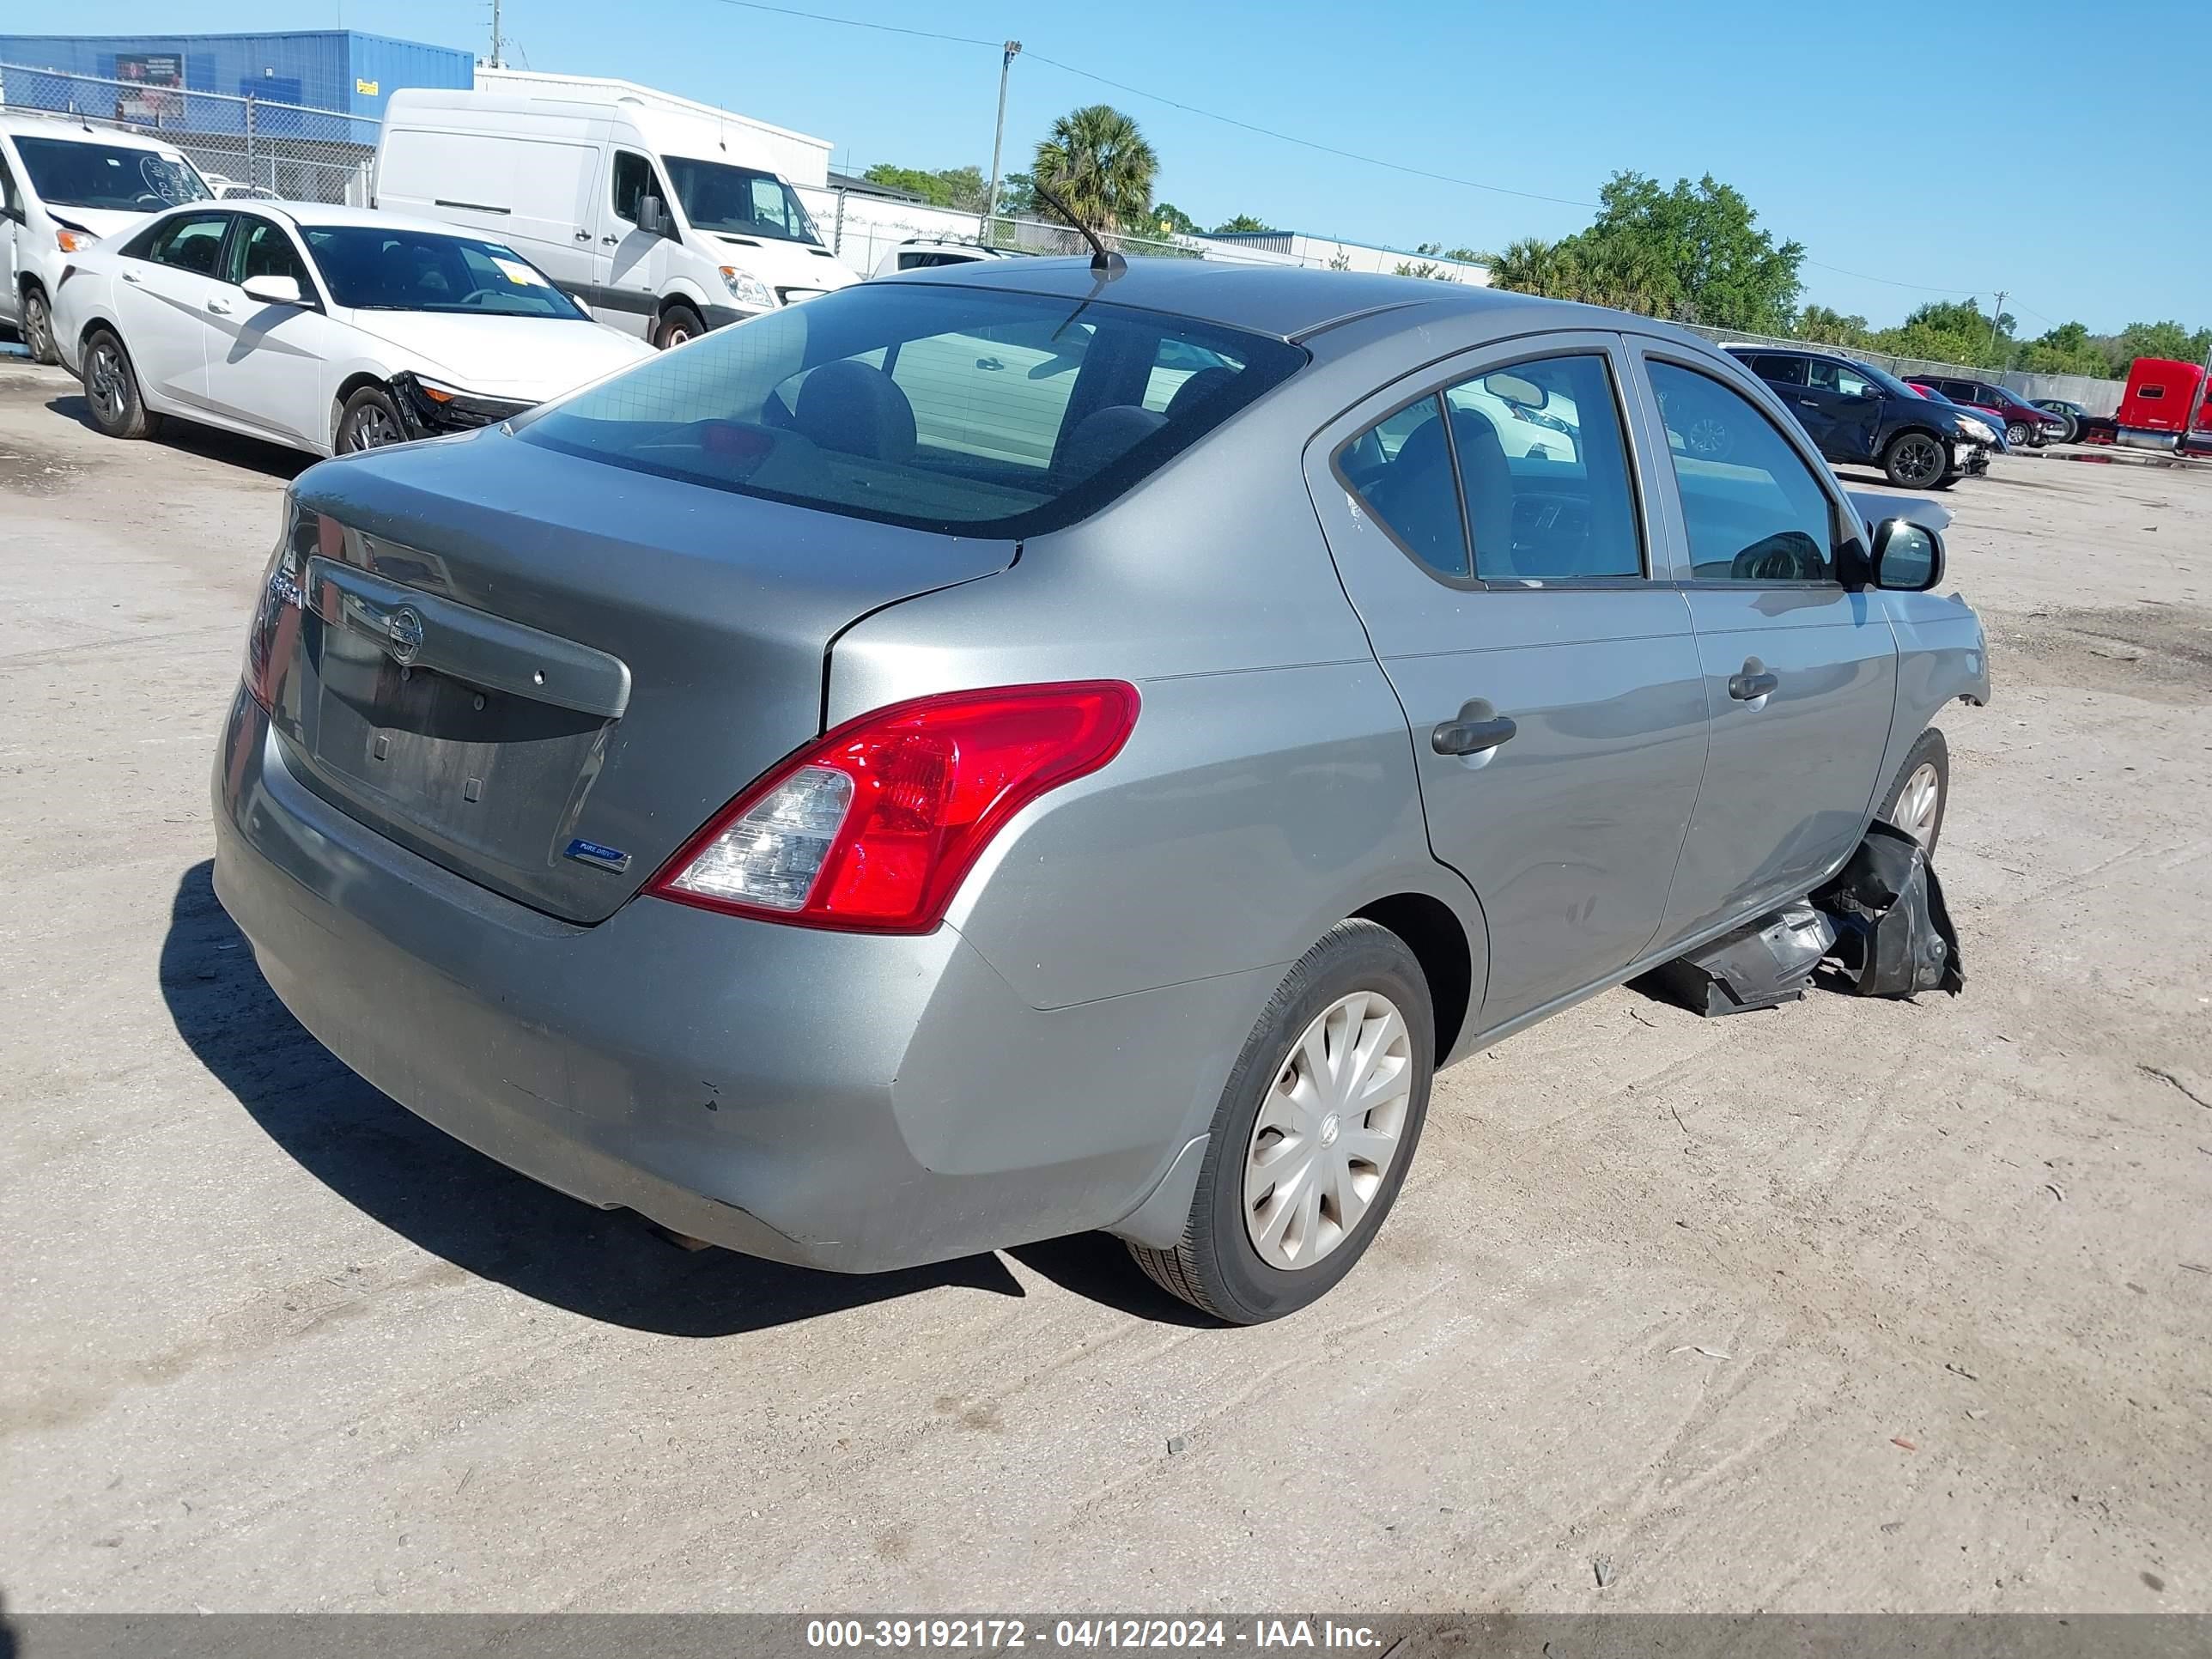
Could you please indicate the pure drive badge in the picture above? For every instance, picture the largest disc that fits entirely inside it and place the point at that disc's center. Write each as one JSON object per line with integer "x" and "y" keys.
{"x": 589, "y": 852}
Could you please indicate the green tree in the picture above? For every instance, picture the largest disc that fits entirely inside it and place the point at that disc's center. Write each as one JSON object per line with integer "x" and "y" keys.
{"x": 952, "y": 187}
{"x": 1694, "y": 253}
{"x": 1016, "y": 199}
{"x": 1173, "y": 221}
{"x": 1828, "y": 327}
{"x": 1242, "y": 224}
{"x": 1096, "y": 161}
{"x": 2069, "y": 349}
{"x": 2167, "y": 339}
{"x": 1951, "y": 331}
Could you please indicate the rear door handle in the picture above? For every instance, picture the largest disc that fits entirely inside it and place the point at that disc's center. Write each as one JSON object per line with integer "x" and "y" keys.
{"x": 1475, "y": 731}
{"x": 583, "y": 236}
{"x": 1753, "y": 683}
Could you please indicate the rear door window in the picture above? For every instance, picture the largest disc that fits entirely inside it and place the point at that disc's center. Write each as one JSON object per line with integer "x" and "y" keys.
{"x": 953, "y": 408}
{"x": 191, "y": 241}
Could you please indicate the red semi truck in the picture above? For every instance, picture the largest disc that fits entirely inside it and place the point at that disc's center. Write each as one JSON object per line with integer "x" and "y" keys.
{"x": 2165, "y": 407}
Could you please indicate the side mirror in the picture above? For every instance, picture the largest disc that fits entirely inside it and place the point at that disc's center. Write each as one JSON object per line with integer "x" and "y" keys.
{"x": 652, "y": 216}
{"x": 1908, "y": 557}
{"x": 274, "y": 290}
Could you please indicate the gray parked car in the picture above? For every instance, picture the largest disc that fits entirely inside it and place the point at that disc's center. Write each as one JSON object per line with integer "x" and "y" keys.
{"x": 1001, "y": 752}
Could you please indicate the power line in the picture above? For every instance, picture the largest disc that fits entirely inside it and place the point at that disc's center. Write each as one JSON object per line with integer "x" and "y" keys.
{"x": 1266, "y": 132}
{"x": 862, "y": 23}
{"x": 1308, "y": 143}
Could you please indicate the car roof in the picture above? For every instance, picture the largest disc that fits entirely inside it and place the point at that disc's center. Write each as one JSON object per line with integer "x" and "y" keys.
{"x": 1289, "y": 303}
{"x": 312, "y": 216}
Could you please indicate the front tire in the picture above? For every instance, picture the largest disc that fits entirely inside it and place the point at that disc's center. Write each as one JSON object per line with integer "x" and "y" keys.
{"x": 370, "y": 420}
{"x": 111, "y": 389}
{"x": 2017, "y": 434}
{"x": 1314, "y": 1132}
{"x": 678, "y": 324}
{"x": 38, "y": 315}
{"x": 1914, "y": 460}
{"x": 1921, "y": 791}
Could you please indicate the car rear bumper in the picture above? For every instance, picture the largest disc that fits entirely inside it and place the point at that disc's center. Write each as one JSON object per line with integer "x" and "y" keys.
{"x": 831, "y": 1100}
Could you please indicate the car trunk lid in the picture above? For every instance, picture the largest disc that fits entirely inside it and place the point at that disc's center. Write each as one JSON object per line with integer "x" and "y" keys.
{"x": 543, "y": 673}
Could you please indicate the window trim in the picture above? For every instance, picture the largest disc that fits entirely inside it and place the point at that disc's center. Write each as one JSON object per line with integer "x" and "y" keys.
{"x": 1489, "y": 359}
{"x": 1652, "y": 348}
{"x": 154, "y": 232}
{"x": 655, "y": 184}
{"x": 243, "y": 223}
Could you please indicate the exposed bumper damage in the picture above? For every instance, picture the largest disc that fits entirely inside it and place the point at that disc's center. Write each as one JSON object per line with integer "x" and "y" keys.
{"x": 427, "y": 413}
{"x": 1880, "y": 928}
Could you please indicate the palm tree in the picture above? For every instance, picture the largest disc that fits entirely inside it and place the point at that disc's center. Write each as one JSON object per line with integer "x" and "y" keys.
{"x": 1099, "y": 164}
{"x": 1531, "y": 265}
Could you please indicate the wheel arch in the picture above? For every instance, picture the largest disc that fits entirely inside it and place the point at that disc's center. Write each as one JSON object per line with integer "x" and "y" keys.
{"x": 359, "y": 379}
{"x": 1438, "y": 940}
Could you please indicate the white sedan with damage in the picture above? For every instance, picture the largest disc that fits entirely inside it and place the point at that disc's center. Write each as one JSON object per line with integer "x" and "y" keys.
{"x": 326, "y": 329}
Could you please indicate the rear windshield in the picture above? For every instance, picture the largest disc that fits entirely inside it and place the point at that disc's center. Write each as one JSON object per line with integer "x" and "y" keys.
{"x": 949, "y": 409}
{"x": 371, "y": 268}
{"x": 80, "y": 173}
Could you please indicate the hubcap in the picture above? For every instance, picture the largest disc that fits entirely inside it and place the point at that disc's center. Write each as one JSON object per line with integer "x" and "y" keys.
{"x": 104, "y": 381}
{"x": 1328, "y": 1131}
{"x": 37, "y": 333}
{"x": 1919, "y": 461}
{"x": 1916, "y": 803}
{"x": 372, "y": 429}
{"x": 1706, "y": 437}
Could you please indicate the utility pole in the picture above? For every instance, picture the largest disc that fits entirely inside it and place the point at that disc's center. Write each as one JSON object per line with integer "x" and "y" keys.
{"x": 1996, "y": 319}
{"x": 496, "y": 43}
{"x": 998, "y": 139}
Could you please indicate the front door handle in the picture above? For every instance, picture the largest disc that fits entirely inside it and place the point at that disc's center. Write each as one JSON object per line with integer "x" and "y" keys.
{"x": 1477, "y": 731}
{"x": 132, "y": 277}
{"x": 221, "y": 307}
{"x": 1754, "y": 683}
{"x": 610, "y": 241}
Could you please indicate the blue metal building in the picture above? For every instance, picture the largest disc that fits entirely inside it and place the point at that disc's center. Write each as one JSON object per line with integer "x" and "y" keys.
{"x": 342, "y": 70}
{"x": 291, "y": 115}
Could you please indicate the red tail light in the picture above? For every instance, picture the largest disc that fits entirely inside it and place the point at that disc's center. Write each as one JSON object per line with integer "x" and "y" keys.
{"x": 872, "y": 829}
{"x": 274, "y": 634}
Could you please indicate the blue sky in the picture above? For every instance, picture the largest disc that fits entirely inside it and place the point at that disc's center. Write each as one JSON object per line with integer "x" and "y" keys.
{"x": 2070, "y": 181}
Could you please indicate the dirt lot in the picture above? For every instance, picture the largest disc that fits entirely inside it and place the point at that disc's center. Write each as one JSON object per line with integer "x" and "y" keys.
{"x": 1850, "y": 1306}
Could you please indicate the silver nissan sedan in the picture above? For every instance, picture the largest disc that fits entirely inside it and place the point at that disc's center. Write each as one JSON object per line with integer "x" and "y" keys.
{"x": 1028, "y": 748}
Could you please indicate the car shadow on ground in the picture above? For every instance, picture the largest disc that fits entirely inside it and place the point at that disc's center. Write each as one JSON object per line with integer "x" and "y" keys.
{"x": 453, "y": 1202}
{"x": 251, "y": 454}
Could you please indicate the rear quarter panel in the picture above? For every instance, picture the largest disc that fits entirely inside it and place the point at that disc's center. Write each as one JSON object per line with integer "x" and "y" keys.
{"x": 1268, "y": 789}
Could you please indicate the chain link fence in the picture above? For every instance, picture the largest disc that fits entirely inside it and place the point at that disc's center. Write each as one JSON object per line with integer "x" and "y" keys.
{"x": 242, "y": 145}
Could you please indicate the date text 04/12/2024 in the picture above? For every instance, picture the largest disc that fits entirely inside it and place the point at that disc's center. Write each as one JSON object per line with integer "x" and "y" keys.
{"x": 1166, "y": 1634}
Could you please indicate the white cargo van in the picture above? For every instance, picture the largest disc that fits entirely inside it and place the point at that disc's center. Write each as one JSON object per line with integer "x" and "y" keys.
{"x": 665, "y": 217}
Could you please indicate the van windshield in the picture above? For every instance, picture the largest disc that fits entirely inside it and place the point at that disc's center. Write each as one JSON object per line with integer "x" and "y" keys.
{"x": 114, "y": 178}
{"x": 370, "y": 268}
{"x": 738, "y": 201}
{"x": 964, "y": 409}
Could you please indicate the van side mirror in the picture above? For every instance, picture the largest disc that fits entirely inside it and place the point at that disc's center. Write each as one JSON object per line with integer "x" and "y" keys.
{"x": 273, "y": 290}
{"x": 1908, "y": 557}
{"x": 652, "y": 216}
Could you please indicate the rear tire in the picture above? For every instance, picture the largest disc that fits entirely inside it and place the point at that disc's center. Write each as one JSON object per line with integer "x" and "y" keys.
{"x": 111, "y": 389}
{"x": 1314, "y": 1132}
{"x": 370, "y": 420}
{"x": 1914, "y": 460}
{"x": 678, "y": 323}
{"x": 38, "y": 329}
{"x": 1921, "y": 790}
